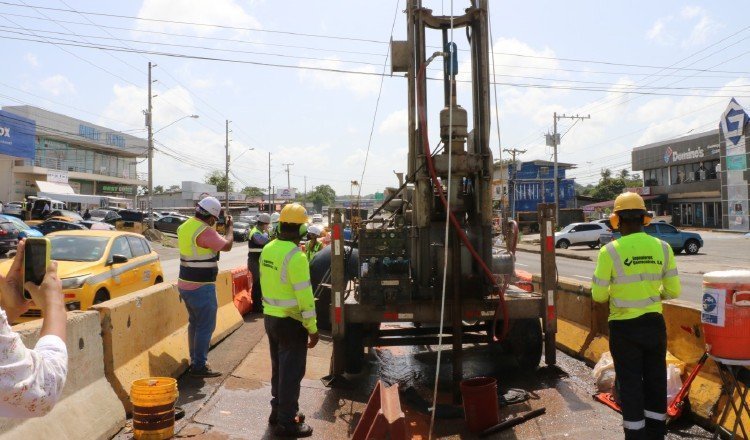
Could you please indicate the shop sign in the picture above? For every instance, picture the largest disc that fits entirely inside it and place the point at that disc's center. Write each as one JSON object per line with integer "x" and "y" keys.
{"x": 733, "y": 122}
{"x": 116, "y": 189}
{"x": 17, "y": 135}
{"x": 285, "y": 193}
{"x": 671, "y": 155}
{"x": 57, "y": 176}
{"x": 737, "y": 162}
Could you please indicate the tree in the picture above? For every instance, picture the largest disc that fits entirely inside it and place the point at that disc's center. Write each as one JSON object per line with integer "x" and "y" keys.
{"x": 252, "y": 191}
{"x": 624, "y": 173}
{"x": 610, "y": 187}
{"x": 174, "y": 188}
{"x": 218, "y": 179}
{"x": 321, "y": 195}
{"x": 158, "y": 189}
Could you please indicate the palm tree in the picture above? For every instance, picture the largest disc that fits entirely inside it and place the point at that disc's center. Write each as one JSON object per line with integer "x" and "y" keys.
{"x": 624, "y": 173}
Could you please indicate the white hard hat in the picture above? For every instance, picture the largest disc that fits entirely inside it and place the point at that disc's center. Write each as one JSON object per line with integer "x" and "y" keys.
{"x": 275, "y": 217}
{"x": 264, "y": 218}
{"x": 315, "y": 230}
{"x": 211, "y": 205}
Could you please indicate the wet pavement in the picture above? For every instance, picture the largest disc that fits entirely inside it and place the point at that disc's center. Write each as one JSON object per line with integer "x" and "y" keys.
{"x": 236, "y": 406}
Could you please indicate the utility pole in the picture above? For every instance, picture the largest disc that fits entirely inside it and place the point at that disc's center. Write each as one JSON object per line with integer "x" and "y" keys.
{"x": 226, "y": 170}
{"x": 150, "y": 125}
{"x": 512, "y": 179}
{"x": 288, "y": 184}
{"x": 270, "y": 210}
{"x": 553, "y": 141}
{"x": 304, "y": 199}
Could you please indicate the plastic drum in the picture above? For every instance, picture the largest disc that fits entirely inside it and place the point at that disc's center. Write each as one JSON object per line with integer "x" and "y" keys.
{"x": 726, "y": 313}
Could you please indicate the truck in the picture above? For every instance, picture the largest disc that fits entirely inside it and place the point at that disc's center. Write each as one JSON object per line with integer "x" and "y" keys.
{"x": 405, "y": 270}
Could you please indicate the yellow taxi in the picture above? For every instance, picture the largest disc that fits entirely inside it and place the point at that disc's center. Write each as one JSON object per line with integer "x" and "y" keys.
{"x": 95, "y": 266}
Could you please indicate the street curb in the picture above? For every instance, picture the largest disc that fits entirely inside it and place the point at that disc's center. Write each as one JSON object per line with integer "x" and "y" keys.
{"x": 535, "y": 250}
{"x": 727, "y": 231}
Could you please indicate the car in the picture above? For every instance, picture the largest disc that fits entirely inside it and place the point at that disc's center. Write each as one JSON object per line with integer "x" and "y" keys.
{"x": 104, "y": 215}
{"x": 96, "y": 266}
{"x": 13, "y": 208}
{"x": 169, "y": 223}
{"x": 24, "y": 230}
{"x": 97, "y": 226}
{"x": 8, "y": 237}
{"x": 317, "y": 218}
{"x": 251, "y": 220}
{"x": 605, "y": 222}
{"x": 63, "y": 213}
{"x": 54, "y": 225}
{"x": 241, "y": 231}
{"x": 580, "y": 234}
{"x": 690, "y": 242}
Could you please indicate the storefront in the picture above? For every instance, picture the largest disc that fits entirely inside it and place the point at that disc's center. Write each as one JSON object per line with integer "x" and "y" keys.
{"x": 684, "y": 175}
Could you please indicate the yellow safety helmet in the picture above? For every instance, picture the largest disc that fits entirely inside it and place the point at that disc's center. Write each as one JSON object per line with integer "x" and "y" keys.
{"x": 293, "y": 213}
{"x": 629, "y": 201}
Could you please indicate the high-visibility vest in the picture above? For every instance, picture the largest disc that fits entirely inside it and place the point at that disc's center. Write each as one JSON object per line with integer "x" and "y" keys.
{"x": 254, "y": 247}
{"x": 310, "y": 251}
{"x": 197, "y": 264}
{"x": 285, "y": 283}
{"x": 634, "y": 273}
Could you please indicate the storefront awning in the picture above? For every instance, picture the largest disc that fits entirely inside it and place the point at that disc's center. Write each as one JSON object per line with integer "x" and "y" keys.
{"x": 54, "y": 187}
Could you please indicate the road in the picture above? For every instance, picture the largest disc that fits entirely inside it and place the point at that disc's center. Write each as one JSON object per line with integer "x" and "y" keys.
{"x": 692, "y": 283}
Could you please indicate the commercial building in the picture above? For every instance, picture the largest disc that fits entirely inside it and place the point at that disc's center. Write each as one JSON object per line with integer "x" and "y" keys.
{"x": 701, "y": 179}
{"x": 527, "y": 184}
{"x": 54, "y": 154}
{"x": 188, "y": 196}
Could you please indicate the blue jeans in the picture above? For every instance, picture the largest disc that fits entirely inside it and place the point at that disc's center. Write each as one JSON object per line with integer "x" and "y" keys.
{"x": 201, "y": 307}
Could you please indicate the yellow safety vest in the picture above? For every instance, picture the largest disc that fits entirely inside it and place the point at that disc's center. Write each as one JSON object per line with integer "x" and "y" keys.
{"x": 634, "y": 273}
{"x": 310, "y": 251}
{"x": 254, "y": 247}
{"x": 197, "y": 264}
{"x": 285, "y": 283}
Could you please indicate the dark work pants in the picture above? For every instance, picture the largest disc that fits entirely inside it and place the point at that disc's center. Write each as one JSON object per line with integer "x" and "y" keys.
{"x": 639, "y": 348}
{"x": 288, "y": 340}
{"x": 253, "y": 266}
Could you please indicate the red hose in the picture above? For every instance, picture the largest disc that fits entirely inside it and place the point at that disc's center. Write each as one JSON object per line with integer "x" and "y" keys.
{"x": 454, "y": 221}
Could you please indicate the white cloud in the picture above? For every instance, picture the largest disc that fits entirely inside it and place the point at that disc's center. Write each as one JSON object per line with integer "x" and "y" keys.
{"x": 31, "y": 59}
{"x": 702, "y": 31}
{"x": 361, "y": 84}
{"x": 670, "y": 29}
{"x": 659, "y": 32}
{"x": 395, "y": 123}
{"x": 218, "y": 12}
{"x": 130, "y": 101}
{"x": 57, "y": 85}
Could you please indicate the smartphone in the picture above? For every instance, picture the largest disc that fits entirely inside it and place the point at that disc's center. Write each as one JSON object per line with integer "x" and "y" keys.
{"x": 36, "y": 257}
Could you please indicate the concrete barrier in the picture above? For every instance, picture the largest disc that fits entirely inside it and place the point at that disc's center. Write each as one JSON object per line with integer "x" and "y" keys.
{"x": 145, "y": 333}
{"x": 583, "y": 330}
{"x": 89, "y": 407}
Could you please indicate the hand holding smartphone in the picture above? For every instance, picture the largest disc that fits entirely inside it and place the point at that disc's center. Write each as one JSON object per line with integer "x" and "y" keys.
{"x": 35, "y": 262}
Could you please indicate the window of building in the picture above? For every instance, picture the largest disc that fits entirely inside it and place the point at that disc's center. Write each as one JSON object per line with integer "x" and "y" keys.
{"x": 678, "y": 174}
{"x": 655, "y": 177}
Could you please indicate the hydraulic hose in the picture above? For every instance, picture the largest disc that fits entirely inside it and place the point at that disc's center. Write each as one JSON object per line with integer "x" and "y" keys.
{"x": 500, "y": 290}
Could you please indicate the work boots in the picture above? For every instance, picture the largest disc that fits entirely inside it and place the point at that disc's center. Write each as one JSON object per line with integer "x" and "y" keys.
{"x": 296, "y": 430}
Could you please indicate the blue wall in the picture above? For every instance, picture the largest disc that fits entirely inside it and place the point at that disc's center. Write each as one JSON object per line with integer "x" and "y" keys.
{"x": 17, "y": 135}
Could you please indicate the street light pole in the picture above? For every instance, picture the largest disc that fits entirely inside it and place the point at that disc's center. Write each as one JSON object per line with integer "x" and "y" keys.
{"x": 150, "y": 125}
{"x": 226, "y": 188}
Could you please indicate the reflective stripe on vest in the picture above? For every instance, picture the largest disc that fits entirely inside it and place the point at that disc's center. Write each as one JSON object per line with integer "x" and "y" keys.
{"x": 284, "y": 271}
{"x": 280, "y": 302}
{"x": 621, "y": 278}
{"x": 197, "y": 264}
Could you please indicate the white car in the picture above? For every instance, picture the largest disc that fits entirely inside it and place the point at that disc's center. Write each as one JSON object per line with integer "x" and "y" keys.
{"x": 317, "y": 218}
{"x": 580, "y": 234}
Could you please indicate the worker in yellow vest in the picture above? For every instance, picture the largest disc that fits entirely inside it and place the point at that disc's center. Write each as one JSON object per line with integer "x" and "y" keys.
{"x": 289, "y": 315}
{"x": 313, "y": 245}
{"x": 257, "y": 238}
{"x": 200, "y": 245}
{"x": 634, "y": 274}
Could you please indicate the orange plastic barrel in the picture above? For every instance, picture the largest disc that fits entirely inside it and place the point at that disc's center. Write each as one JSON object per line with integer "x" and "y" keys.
{"x": 480, "y": 403}
{"x": 726, "y": 313}
{"x": 153, "y": 402}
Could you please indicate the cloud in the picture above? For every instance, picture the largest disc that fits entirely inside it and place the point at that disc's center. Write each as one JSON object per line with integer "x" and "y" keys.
{"x": 57, "y": 85}
{"x": 361, "y": 84}
{"x": 217, "y": 12}
{"x": 671, "y": 29}
{"x": 31, "y": 59}
{"x": 395, "y": 123}
{"x": 130, "y": 101}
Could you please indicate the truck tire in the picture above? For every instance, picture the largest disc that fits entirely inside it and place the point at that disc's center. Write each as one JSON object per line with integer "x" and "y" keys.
{"x": 524, "y": 343}
{"x": 355, "y": 348}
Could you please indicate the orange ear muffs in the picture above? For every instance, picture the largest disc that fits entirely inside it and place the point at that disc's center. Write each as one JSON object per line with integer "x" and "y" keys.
{"x": 614, "y": 220}
{"x": 647, "y": 219}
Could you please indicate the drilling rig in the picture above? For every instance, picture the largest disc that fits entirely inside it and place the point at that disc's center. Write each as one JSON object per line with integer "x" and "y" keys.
{"x": 407, "y": 269}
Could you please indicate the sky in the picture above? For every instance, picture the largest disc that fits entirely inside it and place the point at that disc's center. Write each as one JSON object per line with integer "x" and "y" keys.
{"x": 644, "y": 71}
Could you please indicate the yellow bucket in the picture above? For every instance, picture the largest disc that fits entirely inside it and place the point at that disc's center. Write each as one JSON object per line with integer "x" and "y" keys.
{"x": 153, "y": 402}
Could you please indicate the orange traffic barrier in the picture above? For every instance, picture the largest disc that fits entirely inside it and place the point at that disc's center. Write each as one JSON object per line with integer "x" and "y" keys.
{"x": 382, "y": 417}
{"x": 523, "y": 281}
{"x": 241, "y": 285}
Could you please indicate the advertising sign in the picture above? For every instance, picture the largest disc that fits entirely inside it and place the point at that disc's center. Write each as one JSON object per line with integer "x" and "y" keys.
{"x": 737, "y": 162}
{"x": 17, "y": 135}
{"x": 57, "y": 176}
{"x": 285, "y": 193}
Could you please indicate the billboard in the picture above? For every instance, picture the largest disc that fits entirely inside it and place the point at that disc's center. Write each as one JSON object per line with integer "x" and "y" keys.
{"x": 17, "y": 135}
{"x": 285, "y": 193}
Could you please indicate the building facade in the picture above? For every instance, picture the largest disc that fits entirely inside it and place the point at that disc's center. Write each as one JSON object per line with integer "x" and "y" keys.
{"x": 188, "y": 196}
{"x": 701, "y": 179}
{"x": 68, "y": 153}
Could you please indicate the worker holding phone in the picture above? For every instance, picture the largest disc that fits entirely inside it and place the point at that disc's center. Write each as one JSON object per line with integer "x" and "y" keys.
{"x": 32, "y": 380}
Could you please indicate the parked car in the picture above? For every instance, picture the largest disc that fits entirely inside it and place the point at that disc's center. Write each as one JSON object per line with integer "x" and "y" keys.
{"x": 8, "y": 237}
{"x": 104, "y": 215}
{"x": 241, "y": 231}
{"x": 68, "y": 215}
{"x": 52, "y": 225}
{"x": 13, "y": 208}
{"x": 251, "y": 220}
{"x": 690, "y": 242}
{"x": 97, "y": 226}
{"x": 580, "y": 234}
{"x": 317, "y": 218}
{"x": 169, "y": 223}
{"x": 96, "y": 266}
{"x": 24, "y": 230}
